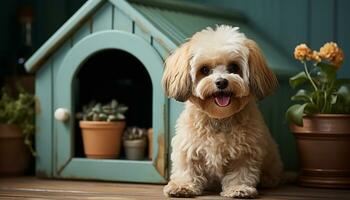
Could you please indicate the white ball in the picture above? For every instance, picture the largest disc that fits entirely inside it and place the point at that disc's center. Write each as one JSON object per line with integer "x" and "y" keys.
{"x": 61, "y": 114}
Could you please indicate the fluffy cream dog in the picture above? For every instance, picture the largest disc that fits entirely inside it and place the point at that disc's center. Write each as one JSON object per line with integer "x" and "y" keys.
{"x": 221, "y": 137}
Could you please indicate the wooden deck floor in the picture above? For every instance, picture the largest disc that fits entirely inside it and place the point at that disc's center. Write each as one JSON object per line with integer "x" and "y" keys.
{"x": 34, "y": 188}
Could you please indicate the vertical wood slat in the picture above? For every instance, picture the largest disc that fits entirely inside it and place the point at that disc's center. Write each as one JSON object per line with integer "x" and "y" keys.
{"x": 138, "y": 30}
{"x": 57, "y": 60}
{"x": 103, "y": 19}
{"x": 343, "y": 34}
{"x": 321, "y": 25}
{"x": 163, "y": 52}
{"x": 82, "y": 32}
{"x": 43, "y": 121}
{"x": 294, "y": 28}
{"x": 122, "y": 21}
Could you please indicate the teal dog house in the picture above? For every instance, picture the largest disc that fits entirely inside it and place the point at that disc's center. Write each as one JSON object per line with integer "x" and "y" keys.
{"x": 115, "y": 49}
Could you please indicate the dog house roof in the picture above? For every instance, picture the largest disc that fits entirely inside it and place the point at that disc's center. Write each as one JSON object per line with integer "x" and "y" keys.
{"x": 170, "y": 23}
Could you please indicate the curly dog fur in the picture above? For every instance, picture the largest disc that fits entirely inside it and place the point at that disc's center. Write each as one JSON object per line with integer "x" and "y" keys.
{"x": 221, "y": 137}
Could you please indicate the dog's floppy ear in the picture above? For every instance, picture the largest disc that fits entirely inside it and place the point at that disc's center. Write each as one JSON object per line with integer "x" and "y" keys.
{"x": 176, "y": 78}
{"x": 261, "y": 79}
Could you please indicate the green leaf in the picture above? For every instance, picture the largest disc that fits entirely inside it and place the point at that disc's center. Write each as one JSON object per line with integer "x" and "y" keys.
{"x": 333, "y": 99}
{"x": 344, "y": 94}
{"x": 328, "y": 72}
{"x": 295, "y": 114}
{"x": 298, "y": 80}
{"x": 302, "y": 95}
{"x": 311, "y": 109}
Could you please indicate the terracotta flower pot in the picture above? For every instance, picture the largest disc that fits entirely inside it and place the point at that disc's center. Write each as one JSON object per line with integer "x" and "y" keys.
{"x": 324, "y": 150}
{"x": 135, "y": 149}
{"x": 14, "y": 155}
{"x": 102, "y": 140}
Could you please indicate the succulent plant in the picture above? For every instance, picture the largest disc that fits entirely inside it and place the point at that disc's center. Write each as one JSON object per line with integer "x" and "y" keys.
{"x": 112, "y": 111}
{"x": 135, "y": 133}
{"x": 19, "y": 110}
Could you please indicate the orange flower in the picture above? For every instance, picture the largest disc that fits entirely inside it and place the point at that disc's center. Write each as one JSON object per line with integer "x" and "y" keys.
{"x": 302, "y": 52}
{"x": 315, "y": 56}
{"x": 332, "y": 53}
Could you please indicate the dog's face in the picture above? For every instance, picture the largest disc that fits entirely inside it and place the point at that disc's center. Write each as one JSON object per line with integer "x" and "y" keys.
{"x": 218, "y": 70}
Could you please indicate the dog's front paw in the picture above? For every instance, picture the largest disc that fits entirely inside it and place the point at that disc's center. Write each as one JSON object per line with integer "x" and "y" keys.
{"x": 240, "y": 191}
{"x": 174, "y": 189}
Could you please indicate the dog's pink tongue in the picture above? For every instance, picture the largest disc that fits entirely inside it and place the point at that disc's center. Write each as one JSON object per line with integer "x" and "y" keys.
{"x": 222, "y": 100}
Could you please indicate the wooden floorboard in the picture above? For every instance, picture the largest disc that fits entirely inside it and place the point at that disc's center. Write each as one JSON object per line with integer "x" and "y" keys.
{"x": 34, "y": 188}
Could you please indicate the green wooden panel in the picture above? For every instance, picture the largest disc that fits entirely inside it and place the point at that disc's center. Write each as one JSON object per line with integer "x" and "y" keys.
{"x": 57, "y": 60}
{"x": 58, "y": 57}
{"x": 285, "y": 23}
{"x": 111, "y": 170}
{"x": 137, "y": 16}
{"x": 163, "y": 24}
{"x": 180, "y": 25}
{"x": 175, "y": 108}
{"x": 321, "y": 22}
{"x": 161, "y": 49}
{"x": 83, "y": 31}
{"x": 143, "y": 33}
{"x": 60, "y": 36}
{"x": 273, "y": 109}
{"x": 122, "y": 21}
{"x": 70, "y": 66}
{"x": 43, "y": 121}
{"x": 103, "y": 19}
{"x": 342, "y": 35}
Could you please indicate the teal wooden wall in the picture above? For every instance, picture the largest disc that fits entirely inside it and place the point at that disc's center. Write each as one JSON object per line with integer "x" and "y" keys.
{"x": 288, "y": 23}
{"x": 57, "y": 158}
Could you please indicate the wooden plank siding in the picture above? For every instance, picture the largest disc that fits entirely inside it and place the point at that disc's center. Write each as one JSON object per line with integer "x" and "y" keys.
{"x": 82, "y": 32}
{"x": 57, "y": 60}
{"x": 44, "y": 120}
{"x": 160, "y": 48}
{"x": 142, "y": 32}
{"x": 103, "y": 18}
{"x": 342, "y": 33}
{"x": 122, "y": 21}
{"x": 288, "y": 23}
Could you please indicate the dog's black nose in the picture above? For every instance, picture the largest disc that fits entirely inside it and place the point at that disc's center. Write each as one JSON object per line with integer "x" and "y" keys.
{"x": 221, "y": 83}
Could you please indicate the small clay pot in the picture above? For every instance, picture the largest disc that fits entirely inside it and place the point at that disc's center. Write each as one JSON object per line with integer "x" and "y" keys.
{"x": 135, "y": 149}
{"x": 14, "y": 155}
{"x": 102, "y": 140}
{"x": 324, "y": 150}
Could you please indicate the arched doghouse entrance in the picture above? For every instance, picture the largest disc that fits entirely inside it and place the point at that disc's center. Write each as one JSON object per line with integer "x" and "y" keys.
{"x": 114, "y": 74}
{"x": 127, "y": 68}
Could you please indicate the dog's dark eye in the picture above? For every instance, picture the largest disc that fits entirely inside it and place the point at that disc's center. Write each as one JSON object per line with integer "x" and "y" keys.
{"x": 205, "y": 70}
{"x": 233, "y": 68}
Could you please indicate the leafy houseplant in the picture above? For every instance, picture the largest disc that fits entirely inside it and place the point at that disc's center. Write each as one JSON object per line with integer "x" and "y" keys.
{"x": 102, "y": 127}
{"x": 326, "y": 94}
{"x": 320, "y": 123}
{"x": 16, "y": 126}
{"x": 135, "y": 140}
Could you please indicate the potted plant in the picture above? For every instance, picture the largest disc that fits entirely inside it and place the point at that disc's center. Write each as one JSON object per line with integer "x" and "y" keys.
{"x": 16, "y": 131}
{"x": 102, "y": 128}
{"x": 321, "y": 123}
{"x": 135, "y": 140}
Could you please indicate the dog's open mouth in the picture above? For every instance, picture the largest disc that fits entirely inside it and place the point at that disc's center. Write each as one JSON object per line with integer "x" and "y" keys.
{"x": 222, "y": 99}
